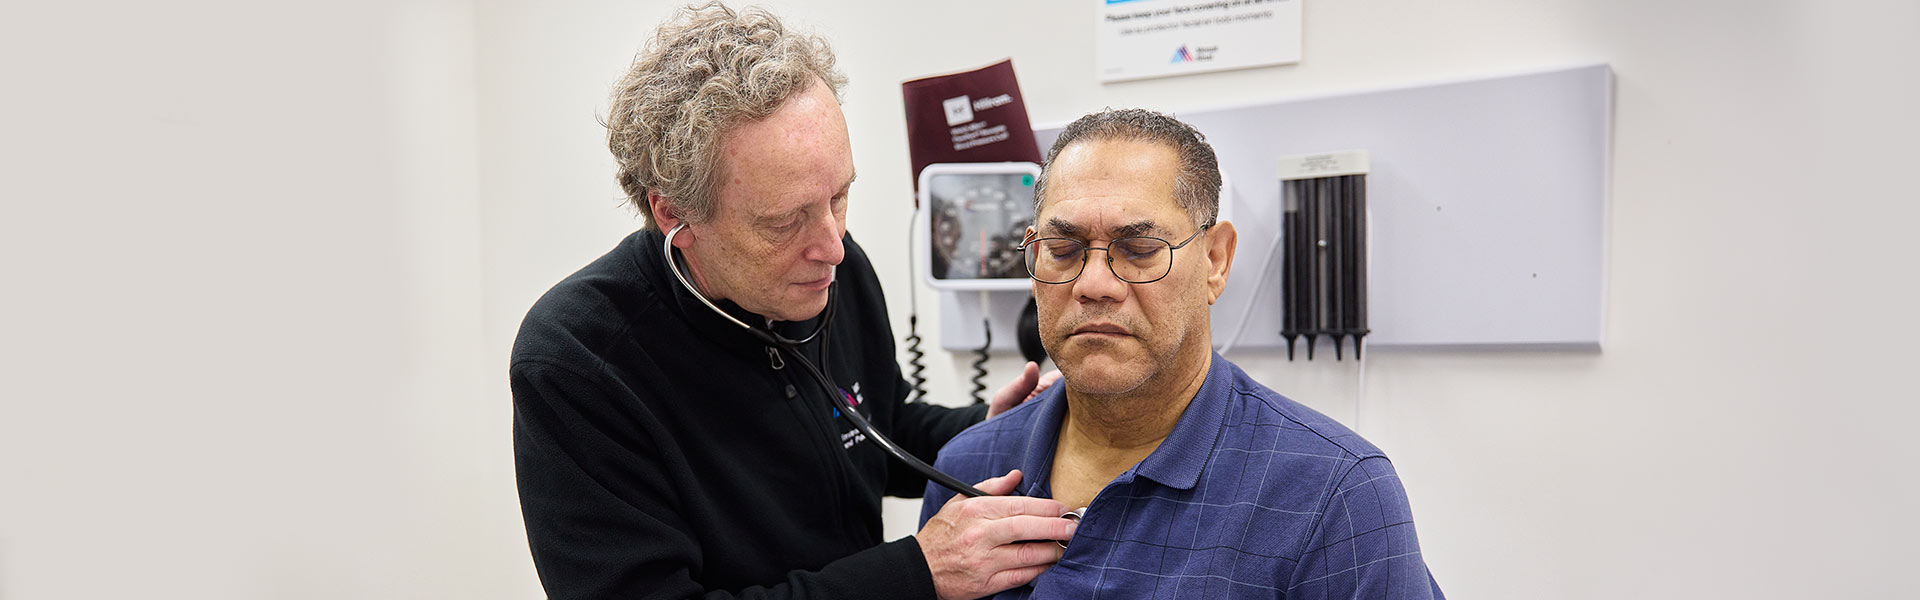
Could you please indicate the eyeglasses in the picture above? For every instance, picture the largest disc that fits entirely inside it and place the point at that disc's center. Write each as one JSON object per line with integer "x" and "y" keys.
{"x": 1138, "y": 259}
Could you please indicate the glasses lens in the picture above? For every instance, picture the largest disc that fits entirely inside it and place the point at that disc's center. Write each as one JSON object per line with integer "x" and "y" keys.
{"x": 1140, "y": 259}
{"x": 1055, "y": 260}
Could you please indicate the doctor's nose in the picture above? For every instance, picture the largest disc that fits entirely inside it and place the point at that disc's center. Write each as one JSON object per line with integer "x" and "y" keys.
{"x": 823, "y": 241}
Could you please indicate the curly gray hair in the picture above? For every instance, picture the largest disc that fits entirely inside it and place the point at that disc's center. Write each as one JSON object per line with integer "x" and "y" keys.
{"x": 1197, "y": 186}
{"x": 705, "y": 71}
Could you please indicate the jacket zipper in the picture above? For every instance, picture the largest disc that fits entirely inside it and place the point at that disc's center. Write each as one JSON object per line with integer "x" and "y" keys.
{"x": 827, "y": 432}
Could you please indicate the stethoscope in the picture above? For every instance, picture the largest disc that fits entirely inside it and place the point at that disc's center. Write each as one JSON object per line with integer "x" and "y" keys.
{"x": 792, "y": 347}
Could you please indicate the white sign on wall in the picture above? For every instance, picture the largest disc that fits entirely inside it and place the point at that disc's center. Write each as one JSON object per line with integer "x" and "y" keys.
{"x": 1138, "y": 39}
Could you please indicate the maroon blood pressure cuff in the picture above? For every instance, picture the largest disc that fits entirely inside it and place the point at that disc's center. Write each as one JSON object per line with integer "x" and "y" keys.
{"x": 972, "y": 116}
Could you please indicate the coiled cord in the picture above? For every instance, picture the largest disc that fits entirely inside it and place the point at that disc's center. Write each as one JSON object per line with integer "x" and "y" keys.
{"x": 980, "y": 364}
{"x": 916, "y": 358}
{"x": 916, "y": 367}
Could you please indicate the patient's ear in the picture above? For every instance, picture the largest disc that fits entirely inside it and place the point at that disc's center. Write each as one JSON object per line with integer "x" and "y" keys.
{"x": 1220, "y": 244}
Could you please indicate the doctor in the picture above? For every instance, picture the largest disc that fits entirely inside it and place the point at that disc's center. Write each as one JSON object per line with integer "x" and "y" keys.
{"x": 662, "y": 450}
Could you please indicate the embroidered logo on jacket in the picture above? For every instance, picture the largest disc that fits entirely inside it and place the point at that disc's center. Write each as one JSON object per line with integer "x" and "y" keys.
{"x": 853, "y": 435}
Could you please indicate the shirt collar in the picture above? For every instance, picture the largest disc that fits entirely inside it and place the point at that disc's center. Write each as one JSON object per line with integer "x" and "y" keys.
{"x": 1178, "y": 461}
{"x": 1180, "y": 458}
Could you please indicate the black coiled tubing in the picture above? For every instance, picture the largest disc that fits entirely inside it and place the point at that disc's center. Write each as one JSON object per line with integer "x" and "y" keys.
{"x": 980, "y": 363}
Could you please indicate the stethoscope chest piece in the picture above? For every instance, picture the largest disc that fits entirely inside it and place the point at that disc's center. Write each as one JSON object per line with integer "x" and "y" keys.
{"x": 1073, "y": 515}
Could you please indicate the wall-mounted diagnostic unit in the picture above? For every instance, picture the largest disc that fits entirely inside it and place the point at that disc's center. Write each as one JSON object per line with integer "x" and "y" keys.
{"x": 1323, "y": 237}
{"x": 1476, "y": 217}
{"x": 972, "y": 216}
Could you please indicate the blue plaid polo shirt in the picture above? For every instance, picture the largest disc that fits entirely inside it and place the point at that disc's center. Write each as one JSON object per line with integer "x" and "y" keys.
{"x": 1251, "y": 495}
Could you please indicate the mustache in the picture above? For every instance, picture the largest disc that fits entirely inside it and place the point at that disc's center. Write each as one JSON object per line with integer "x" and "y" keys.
{"x": 1073, "y": 324}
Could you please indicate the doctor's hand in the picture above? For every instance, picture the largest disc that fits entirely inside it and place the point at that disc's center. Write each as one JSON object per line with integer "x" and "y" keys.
{"x": 1026, "y": 386}
{"x": 982, "y": 546}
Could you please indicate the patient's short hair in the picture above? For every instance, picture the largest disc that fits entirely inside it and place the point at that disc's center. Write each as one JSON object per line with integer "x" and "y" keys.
{"x": 1197, "y": 187}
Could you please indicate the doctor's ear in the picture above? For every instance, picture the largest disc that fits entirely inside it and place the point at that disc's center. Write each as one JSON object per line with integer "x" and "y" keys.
{"x": 661, "y": 208}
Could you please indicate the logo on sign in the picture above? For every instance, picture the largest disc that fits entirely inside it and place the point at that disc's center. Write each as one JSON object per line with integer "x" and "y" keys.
{"x": 1198, "y": 54}
{"x": 959, "y": 110}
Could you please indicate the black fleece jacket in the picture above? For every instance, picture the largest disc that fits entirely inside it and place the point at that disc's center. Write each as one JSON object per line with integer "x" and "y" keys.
{"x": 663, "y": 452}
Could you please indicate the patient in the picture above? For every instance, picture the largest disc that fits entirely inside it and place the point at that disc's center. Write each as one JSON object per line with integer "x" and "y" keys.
{"x": 1197, "y": 480}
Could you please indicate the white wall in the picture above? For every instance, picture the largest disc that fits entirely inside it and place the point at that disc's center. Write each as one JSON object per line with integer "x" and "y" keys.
{"x": 240, "y": 337}
{"x": 1741, "y": 434}
{"x": 263, "y": 264}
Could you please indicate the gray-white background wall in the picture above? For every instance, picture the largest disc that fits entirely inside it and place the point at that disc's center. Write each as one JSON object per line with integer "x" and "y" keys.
{"x": 263, "y": 264}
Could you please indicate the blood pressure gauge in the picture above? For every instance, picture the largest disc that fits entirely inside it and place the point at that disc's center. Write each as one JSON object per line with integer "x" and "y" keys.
{"x": 973, "y": 216}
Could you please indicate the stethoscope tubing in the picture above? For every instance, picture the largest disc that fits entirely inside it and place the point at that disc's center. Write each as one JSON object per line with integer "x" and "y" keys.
{"x": 792, "y": 348}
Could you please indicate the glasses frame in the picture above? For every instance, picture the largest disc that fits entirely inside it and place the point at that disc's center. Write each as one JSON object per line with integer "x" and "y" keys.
{"x": 1085, "y": 256}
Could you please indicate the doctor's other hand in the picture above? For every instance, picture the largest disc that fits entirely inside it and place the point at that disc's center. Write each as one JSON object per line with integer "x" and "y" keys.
{"x": 1025, "y": 386}
{"x": 983, "y": 546}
